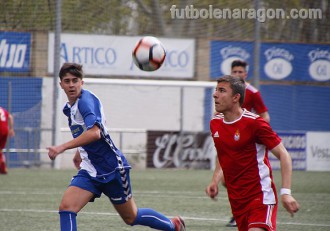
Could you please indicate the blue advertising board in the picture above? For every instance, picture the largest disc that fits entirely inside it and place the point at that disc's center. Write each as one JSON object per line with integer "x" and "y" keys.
{"x": 15, "y": 51}
{"x": 294, "y": 62}
{"x": 278, "y": 61}
{"x": 296, "y": 144}
{"x": 223, "y": 53}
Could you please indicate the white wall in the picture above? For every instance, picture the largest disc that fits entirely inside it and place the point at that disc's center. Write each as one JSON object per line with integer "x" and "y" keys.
{"x": 151, "y": 105}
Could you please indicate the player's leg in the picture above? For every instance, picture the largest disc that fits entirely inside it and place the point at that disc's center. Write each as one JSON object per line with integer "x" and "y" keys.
{"x": 80, "y": 191}
{"x": 3, "y": 139}
{"x": 74, "y": 199}
{"x": 3, "y": 167}
{"x": 147, "y": 217}
{"x": 119, "y": 192}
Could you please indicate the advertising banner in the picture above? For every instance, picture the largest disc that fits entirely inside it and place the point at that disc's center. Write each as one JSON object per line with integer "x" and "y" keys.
{"x": 169, "y": 149}
{"x": 15, "y": 51}
{"x": 103, "y": 55}
{"x": 295, "y": 62}
{"x": 278, "y": 61}
{"x": 318, "y": 151}
{"x": 309, "y": 151}
{"x": 295, "y": 143}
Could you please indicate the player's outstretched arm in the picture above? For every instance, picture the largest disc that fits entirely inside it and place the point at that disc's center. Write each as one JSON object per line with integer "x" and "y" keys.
{"x": 288, "y": 201}
{"x": 212, "y": 189}
{"x": 85, "y": 138}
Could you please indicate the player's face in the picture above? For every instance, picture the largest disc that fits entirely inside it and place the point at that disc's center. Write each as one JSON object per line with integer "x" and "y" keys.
{"x": 223, "y": 97}
{"x": 239, "y": 71}
{"x": 72, "y": 86}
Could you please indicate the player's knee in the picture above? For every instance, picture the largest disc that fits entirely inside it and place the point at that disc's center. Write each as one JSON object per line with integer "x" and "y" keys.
{"x": 129, "y": 220}
{"x": 66, "y": 207}
{"x": 63, "y": 207}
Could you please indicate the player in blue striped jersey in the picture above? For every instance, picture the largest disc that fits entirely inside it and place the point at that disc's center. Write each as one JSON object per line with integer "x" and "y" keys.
{"x": 102, "y": 167}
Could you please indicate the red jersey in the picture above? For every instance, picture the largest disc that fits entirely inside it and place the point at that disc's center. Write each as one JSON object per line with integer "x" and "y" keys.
{"x": 3, "y": 121}
{"x": 253, "y": 101}
{"x": 242, "y": 147}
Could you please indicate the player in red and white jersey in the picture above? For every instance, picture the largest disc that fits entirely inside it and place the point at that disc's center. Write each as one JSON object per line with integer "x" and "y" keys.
{"x": 6, "y": 130}
{"x": 242, "y": 140}
{"x": 243, "y": 146}
{"x": 253, "y": 101}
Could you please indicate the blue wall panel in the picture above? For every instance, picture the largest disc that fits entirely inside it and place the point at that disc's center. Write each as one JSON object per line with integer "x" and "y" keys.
{"x": 26, "y": 109}
{"x": 299, "y": 108}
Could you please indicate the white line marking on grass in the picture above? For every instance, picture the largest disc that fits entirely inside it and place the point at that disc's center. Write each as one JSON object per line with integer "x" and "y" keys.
{"x": 54, "y": 211}
{"x": 156, "y": 194}
{"x": 29, "y": 210}
{"x": 303, "y": 224}
{"x": 186, "y": 218}
{"x": 29, "y": 193}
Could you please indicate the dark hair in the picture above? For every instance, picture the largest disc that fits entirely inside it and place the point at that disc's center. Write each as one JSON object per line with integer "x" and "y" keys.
{"x": 239, "y": 63}
{"x": 72, "y": 68}
{"x": 236, "y": 84}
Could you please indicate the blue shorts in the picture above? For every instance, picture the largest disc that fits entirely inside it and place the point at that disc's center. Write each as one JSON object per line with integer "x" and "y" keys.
{"x": 117, "y": 189}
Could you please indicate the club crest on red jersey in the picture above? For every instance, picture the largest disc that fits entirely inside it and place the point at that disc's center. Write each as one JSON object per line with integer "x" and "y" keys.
{"x": 237, "y": 135}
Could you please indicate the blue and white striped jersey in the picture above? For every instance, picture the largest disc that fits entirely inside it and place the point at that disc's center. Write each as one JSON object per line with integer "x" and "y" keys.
{"x": 100, "y": 158}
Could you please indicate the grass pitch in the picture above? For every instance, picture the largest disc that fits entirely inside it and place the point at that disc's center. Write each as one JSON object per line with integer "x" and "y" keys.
{"x": 29, "y": 200}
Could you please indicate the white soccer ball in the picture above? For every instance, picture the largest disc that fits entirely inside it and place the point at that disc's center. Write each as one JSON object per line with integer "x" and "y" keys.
{"x": 149, "y": 54}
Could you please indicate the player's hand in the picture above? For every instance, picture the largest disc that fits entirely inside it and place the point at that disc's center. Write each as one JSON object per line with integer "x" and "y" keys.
{"x": 11, "y": 133}
{"x": 212, "y": 190}
{"x": 53, "y": 151}
{"x": 290, "y": 204}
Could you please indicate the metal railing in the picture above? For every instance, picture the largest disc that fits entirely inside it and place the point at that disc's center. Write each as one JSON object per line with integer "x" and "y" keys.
{"x": 28, "y": 147}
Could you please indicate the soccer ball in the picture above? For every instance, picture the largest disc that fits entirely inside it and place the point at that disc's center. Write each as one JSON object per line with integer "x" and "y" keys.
{"x": 149, "y": 54}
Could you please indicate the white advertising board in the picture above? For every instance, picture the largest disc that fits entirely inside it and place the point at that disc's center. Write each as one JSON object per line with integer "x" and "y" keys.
{"x": 318, "y": 151}
{"x": 103, "y": 55}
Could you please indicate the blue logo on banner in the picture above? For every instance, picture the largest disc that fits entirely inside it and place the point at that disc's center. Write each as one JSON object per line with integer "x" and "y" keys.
{"x": 224, "y": 53}
{"x": 278, "y": 62}
{"x": 15, "y": 51}
{"x": 319, "y": 68}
